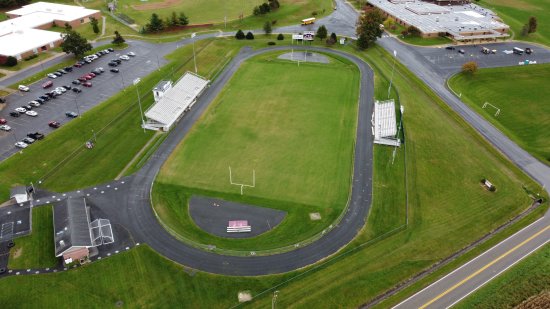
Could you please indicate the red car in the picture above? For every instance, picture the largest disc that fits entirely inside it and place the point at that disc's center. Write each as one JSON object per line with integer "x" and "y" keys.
{"x": 54, "y": 124}
{"x": 47, "y": 84}
{"x": 3, "y": 121}
{"x": 77, "y": 65}
{"x": 87, "y": 77}
{"x": 82, "y": 79}
{"x": 92, "y": 74}
{"x": 87, "y": 84}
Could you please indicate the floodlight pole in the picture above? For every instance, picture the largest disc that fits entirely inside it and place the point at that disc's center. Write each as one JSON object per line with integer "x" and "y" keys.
{"x": 194, "y": 58}
{"x": 136, "y": 81}
{"x": 392, "y": 71}
{"x": 402, "y": 109}
{"x": 77, "y": 109}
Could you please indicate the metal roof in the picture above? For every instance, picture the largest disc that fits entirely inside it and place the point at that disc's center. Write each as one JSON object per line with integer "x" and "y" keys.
{"x": 71, "y": 225}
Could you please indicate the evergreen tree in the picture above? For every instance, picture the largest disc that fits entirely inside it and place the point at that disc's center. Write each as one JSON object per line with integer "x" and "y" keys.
{"x": 94, "y": 22}
{"x": 322, "y": 32}
{"x": 267, "y": 27}
{"x": 174, "y": 19}
{"x": 118, "y": 40}
{"x": 155, "y": 24}
{"x": 532, "y": 24}
{"x": 240, "y": 35}
{"x": 249, "y": 36}
{"x": 183, "y": 20}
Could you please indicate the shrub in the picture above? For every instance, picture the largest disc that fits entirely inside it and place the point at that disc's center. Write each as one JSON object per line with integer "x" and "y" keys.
{"x": 239, "y": 35}
{"x": 11, "y": 61}
{"x": 31, "y": 57}
{"x": 249, "y": 36}
{"x": 469, "y": 67}
{"x": 280, "y": 37}
{"x": 314, "y": 13}
{"x": 271, "y": 43}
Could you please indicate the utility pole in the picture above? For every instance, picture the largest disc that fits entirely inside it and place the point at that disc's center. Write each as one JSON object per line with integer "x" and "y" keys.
{"x": 136, "y": 81}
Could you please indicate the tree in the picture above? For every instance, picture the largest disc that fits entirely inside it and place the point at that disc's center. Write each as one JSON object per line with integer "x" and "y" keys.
{"x": 532, "y": 24}
{"x": 274, "y": 4}
{"x": 249, "y": 36}
{"x": 334, "y": 37}
{"x": 265, "y": 8}
{"x": 155, "y": 24}
{"x": 267, "y": 27}
{"x": 183, "y": 20}
{"x": 322, "y": 32}
{"x": 68, "y": 27}
{"x": 368, "y": 28}
{"x": 414, "y": 32}
{"x": 525, "y": 30}
{"x": 94, "y": 22}
{"x": 174, "y": 21}
{"x": 280, "y": 37}
{"x": 118, "y": 40}
{"x": 469, "y": 67}
{"x": 256, "y": 11}
{"x": 11, "y": 61}
{"x": 74, "y": 43}
{"x": 240, "y": 35}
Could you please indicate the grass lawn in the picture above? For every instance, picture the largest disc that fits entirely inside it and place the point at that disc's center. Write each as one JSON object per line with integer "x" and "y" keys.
{"x": 21, "y": 64}
{"x": 3, "y": 16}
{"x": 37, "y": 249}
{"x": 260, "y": 121}
{"x": 397, "y": 29}
{"x": 445, "y": 160}
{"x": 516, "y": 13}
{"x": 522, "y": 97}
{"x": 527, "y": 278}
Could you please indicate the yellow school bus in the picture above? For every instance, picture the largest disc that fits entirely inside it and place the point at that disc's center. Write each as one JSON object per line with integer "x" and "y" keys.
{"x": 308, "y": 21}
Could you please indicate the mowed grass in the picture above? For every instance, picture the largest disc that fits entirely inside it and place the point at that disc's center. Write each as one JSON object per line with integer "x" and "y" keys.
{"x": 299, "y": 143}
{"x": 516, "y": 13}
{"x": 526, "y": 279}
{"x": 523, "y": 97}
{"x": 36, "y": 249}
{"x": 447, "y": 210}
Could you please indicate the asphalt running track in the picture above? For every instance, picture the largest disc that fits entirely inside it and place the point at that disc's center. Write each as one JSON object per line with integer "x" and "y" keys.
{"x": 127, "y": 201}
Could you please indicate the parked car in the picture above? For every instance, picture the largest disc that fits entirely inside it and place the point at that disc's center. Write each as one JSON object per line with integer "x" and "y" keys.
{"x": 5, "y": 127}
{"x": 44, "y": 97}
{"x": 92, "y": 74}
{"x": 34, "y": 104}
{"x": 88, "y": 76}
{"x": 57, "y": 74}
{"x": 68, "y": 69}
{"x": 87, "y": 84}
{"x": 31, "y": 113}
{"x": 82, "y": 79}
{"x": 54, "y": 124}
{"x": 3, "y": 121}
{"x": 28, "y": 140}
{"x": 27, "y": 107}
{"x": 21, "y": 110}
{"x": 450, "y": 48}
{"x": 461, "y": 51}
{"x": 78, "y": 65}
{"x": 47, "y": 84}
{"x": 112, "y": 64}
{"x": 76, "y": 82}
{"x": 114, "y": 70}
{"x": 14, "y": 114}
{"x": 60, "y": 90}
{"x": 100, "y": 69}
{"x": 110, "y": 49}
{"x": 528, "y": 50}
{"x": 62, "y": 71}
{"x": 124, "y": 57}
{"x": 131, "y": 54}
{"x": 36, "y": 135}
{"x": 21, "y": 145}
{"x": 77, "y": 90}
{"x": 96, "y": 72}
{"x": 71, "y": 114}
{"x": 67, "y": 87}
{"x": 41, "y": 101}
{"x": 23, "y": 88}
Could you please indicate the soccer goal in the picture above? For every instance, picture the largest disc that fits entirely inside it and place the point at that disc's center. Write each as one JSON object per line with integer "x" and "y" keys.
{"x": 242, "y": 185}
{"x": 494, "y": 107}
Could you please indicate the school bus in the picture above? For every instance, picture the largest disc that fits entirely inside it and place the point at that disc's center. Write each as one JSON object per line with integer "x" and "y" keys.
{"x": 308, "y": 21}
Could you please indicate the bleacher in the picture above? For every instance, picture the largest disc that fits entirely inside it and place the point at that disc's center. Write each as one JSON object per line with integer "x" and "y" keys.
{"x": 238, "y": 226}
{"x": 175, "y": 102}
{"x": 384, "y": 123}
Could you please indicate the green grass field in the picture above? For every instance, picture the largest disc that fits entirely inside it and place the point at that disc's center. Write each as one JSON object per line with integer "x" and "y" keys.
{"x": 527, "y": 278}
{"x": 516, "y": 13}
{"x": 445, "y": 201}
{"x": 397, "y": 29}
{"x": 300, "y": 144}
{"x": 521, "y": 94}
{"x": 37, "y": 249}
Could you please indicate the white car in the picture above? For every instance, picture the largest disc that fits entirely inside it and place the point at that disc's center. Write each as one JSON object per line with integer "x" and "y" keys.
{"x": 131, "y": 54}
{"x": 32, "y": 113}
{"x": 124, "y": 57}
{"x": 21, "y": 110}
{"x": 60, "y": 89}
{"x": 100, "y": 69}
{"x": 106, "y": 51}
{"x": 58, "y": 92}
{"x": 51, "y": 75}
{"x": 21, "y": 145}
{"x": 5, "y": 127}
{"x": 23, "y": 88}
{"x": 34, "y": 103}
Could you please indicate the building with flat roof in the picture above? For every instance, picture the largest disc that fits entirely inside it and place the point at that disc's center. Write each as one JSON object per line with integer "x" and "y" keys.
{"x": 24, "y": 33}
{"x": 462, "y": 22}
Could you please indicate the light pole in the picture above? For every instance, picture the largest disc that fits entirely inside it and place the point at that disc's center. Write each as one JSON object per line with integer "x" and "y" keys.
{"x": 77, "y": 109}
{"x": 274, "y": 299}
{"x": 136, "y": 81}
{"x": 392, "y": 71}
{"x": 122, "y": 78}
{"x": 194, "y": 58}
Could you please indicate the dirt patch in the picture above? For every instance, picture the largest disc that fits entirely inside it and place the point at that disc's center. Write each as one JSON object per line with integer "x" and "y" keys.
{"x": 314, "y": 216}
{"x": 536, "y": 302}
{"x": 157, "y": 5}
{"x": 244, "y": 296}
{"x": 17, "y": 253}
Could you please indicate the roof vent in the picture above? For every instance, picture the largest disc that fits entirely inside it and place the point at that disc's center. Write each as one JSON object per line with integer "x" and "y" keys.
{"x": 61, "y": 242}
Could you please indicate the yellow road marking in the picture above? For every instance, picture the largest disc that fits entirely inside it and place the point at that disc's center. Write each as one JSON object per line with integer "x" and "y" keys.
{"x": 483, "y": 268}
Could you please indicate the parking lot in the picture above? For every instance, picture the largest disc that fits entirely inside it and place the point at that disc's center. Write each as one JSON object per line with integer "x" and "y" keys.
{"x": 147, "y": 59}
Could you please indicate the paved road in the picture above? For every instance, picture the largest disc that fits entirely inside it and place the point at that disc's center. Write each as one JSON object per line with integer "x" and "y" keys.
{"x": 465, "y": 280}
